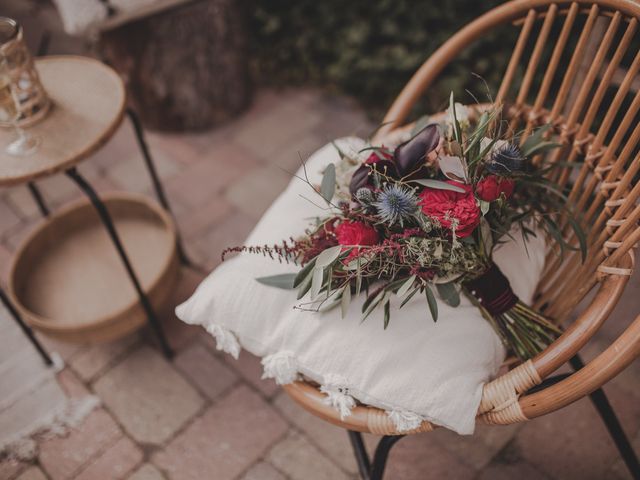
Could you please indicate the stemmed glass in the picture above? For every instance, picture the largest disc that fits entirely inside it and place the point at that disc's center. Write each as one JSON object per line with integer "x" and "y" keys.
{"x": 13, "y": 52}
{"x": 24, "y": 143}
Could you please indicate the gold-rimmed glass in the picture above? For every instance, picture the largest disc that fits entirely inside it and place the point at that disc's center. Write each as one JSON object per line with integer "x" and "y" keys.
{"x": 24, "y": 143}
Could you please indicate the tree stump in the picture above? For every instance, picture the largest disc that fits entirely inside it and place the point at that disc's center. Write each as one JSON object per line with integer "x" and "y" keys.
{"x": 186, "y": 68}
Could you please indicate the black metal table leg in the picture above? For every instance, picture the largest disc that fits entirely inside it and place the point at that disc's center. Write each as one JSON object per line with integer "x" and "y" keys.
{"x": 25, "y": 328}
{"x": 155, "y": 180}
{"x": 39, "y": 199}
{"x": 105, "y": 217}
{"x": 375, "y": 471}
{"x": 610, "y": 419}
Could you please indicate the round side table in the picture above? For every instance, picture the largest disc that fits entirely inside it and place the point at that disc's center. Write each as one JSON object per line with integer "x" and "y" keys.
{"x": 88, "y": 105}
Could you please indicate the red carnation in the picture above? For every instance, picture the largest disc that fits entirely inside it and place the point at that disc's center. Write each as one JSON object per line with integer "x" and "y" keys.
{"x": 447, "y": 205}
{"x": 490, "y": 188}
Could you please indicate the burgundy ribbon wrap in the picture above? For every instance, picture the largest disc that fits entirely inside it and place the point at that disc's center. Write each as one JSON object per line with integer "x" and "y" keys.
{"x": 493, "y": 291}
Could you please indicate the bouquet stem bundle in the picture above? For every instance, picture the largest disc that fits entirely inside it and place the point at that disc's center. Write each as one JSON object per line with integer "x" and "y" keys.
{"x": 518, "y": 325}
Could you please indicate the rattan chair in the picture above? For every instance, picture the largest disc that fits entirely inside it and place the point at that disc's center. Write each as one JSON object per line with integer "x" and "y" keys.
{"x": 552, "y": 77}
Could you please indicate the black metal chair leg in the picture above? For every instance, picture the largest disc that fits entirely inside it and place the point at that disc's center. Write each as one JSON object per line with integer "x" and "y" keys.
{"x": 105, "y": 217}
{"x": 39, "y": 199}
{"x": 25, "y": 328}
{"x": 610, "y": 419}
{"x": 382, "y": 454}
{"x": 375, "y": 471}
{"x": 155, "y": 179}
{"x": 360, "y": 452}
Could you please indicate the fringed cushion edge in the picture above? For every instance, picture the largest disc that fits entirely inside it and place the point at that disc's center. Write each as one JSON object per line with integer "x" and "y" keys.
{"x": 283, "y": 367}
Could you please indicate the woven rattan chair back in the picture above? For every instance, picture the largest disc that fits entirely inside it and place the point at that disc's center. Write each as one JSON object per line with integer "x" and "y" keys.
{"x": 574, "y": 66}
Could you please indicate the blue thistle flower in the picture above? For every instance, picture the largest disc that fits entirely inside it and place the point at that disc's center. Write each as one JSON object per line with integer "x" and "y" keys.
{"x": 396, "y": 204}
{"x": 508, "y": 160}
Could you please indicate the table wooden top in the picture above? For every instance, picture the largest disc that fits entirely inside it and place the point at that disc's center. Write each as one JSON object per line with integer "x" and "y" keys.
{"x": 88, "y": 102}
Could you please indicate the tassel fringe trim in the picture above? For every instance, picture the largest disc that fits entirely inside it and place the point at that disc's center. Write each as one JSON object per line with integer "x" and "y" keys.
{"x": 404, "y": 420}
{"x": 284, "y": 369}
{"x": 335, "y": 387}
{"x": 281, "y": 366}
{"x": 225, "y": 340}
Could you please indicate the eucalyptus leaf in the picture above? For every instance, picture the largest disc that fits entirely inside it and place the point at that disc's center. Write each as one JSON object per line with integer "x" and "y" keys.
{"x": 317, "y": 281}
{"x": 346, "y": 300}
{"x": 394, "y": 285}
{"x": 328, "y": 256}
{"x": 534, "y": 139}
{"x": 449, "y": 293}
{"x": 453, "y": 168}
{"x": 476, "y": 137}
{"x": 540, "y": 148}
{"x": 387, "y": 314}
{"x": 353, "y": 264}
{"x": 304, "y": 273}
{"x": 552, "y": 228}
{"x": 484, "y": 207}
{"x": 431, "y": 301}
{"x": 406, "y": 286}
{"x": 332, "y": 301}
{"x": 582, "y": 239}
{"x": 408, "y": 297}
{"x": 372, "y": 302}
{"x": 305, "y": 286}
{"x": 358, "y": 278}
{"x": 456, "y": 126}
{"x": 546, "y": 185}
{"x": 283, "y": 280}
{"x": 328, "y": 185}
{"x": 439, "y": 184}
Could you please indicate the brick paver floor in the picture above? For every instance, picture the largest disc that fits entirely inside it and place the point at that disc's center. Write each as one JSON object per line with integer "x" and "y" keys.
{"x": 207, "y": 416}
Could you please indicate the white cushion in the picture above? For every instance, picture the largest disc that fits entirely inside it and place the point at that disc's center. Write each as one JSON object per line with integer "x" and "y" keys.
{"x": 83, "y": 17}
{"x": 415, "y": 369}
{"x": 78, "y": 17}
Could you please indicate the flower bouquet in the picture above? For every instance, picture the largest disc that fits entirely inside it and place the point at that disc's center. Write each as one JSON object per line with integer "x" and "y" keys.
{"x": 425, "y": 216}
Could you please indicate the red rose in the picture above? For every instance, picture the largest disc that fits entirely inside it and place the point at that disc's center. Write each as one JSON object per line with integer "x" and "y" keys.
{"x": 356, "y": 233}
{"x": 490, "y": 188}
{"x": 447, "y": 205}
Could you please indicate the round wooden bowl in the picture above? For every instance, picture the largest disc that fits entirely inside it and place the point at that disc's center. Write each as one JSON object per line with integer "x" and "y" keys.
{"x": 69, "y": 282}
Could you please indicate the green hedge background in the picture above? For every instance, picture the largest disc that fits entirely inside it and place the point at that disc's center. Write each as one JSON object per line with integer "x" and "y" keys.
{"x": 368, "y": 49}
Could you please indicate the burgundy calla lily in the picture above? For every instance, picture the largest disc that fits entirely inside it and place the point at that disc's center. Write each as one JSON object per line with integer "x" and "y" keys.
{"x": 362, "y": 176}
{"x": 407, "y": 158}
{"x": 411, "y": 155}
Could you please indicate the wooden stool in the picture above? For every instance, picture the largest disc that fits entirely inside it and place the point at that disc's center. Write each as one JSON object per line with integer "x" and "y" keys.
{"x": 88, "y": 105}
